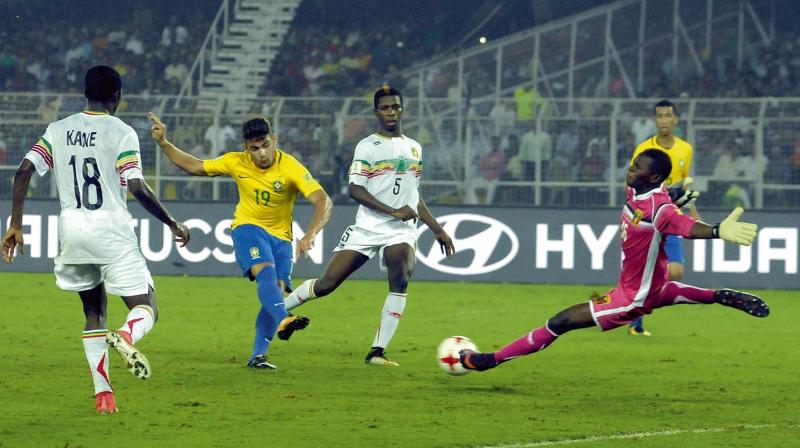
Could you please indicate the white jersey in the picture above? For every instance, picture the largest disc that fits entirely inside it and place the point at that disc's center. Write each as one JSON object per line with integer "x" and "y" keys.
{"x": 92, "y": 155}
{"x": 390, "y": 169}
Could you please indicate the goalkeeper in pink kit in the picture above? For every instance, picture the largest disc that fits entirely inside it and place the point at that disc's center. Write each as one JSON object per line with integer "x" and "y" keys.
{"x": 648, "y": 216}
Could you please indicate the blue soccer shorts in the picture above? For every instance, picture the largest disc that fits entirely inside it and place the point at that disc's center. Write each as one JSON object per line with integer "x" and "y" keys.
{"x": 254, "y": 245}
{"x": 674, "y": 249}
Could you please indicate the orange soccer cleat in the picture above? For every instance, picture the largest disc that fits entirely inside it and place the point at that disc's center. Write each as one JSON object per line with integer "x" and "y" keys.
{"x": 106, "y": 403}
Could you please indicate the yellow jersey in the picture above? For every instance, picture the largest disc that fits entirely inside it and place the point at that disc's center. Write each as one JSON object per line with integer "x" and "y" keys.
{"x": 680, "y": 155}
{"x": 266, "y": 196}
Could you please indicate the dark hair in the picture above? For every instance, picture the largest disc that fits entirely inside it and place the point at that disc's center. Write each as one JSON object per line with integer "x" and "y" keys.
{"x": 101, "y": 83}
{"x": 386, "y": 90}
{"x": 666, "y": 103}
{"x": 660, "y": 163}
{"x": 254, "y": 128}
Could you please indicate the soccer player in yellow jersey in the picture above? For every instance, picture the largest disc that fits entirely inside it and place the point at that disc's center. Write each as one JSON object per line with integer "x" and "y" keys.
{"x": 680, "y": 153}
{"x": 268, "y": 180}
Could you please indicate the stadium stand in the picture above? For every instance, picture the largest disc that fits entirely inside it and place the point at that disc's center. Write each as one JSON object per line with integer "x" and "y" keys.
{"x": 152, "y": 47}
{"x": 564, "y": 142}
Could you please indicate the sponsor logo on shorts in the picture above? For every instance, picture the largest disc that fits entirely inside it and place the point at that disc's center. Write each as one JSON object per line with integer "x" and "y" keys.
{"x": 488, "y": 243}
{"x": 254, "y": 253}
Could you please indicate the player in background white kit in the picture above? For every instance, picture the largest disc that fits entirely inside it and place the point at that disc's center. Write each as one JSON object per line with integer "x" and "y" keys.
{"x": 384, "y": 179}
{"x": 95, "y": 160}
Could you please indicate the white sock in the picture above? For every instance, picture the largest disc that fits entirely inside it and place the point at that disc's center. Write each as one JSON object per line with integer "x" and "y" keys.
{"x": 390, "y": 318}
{"x": 139, "y": 322}
{"x": 96, "y": 349}
{"x": 301, "y": 295}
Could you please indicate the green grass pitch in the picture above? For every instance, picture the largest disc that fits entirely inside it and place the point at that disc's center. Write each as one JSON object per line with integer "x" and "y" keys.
{"x": 710, "y": 376}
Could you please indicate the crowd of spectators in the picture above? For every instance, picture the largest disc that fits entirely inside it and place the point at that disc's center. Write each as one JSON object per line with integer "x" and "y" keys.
{"x": 337, "y": 49}
{"x": 348, "y": 47}
{"x": 45, "y": 46}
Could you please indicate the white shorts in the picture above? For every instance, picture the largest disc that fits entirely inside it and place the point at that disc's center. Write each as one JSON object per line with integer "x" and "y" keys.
{"x": 126, "y": 277}
{"x": 371, "y": 243}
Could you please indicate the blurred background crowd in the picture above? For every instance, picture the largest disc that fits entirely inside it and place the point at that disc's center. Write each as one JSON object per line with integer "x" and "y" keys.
{"x": 349, "y": 47}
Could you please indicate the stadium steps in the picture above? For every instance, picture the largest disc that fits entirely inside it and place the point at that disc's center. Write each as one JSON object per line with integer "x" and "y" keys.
{"x": 245, "y": 52}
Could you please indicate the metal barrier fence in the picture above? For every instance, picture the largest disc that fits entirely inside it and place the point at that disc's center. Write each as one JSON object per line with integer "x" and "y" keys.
{"x": 616, "y": 50}
{"x": 570, "y": 153}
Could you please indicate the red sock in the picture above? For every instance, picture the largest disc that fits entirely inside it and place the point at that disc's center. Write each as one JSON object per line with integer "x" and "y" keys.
{"x": 534, "y": 341}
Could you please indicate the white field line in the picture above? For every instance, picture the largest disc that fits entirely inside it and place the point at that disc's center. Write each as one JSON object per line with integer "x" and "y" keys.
{"x": 629, "y": 435}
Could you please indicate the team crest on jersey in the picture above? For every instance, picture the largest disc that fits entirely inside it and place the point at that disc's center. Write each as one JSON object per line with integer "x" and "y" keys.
{"x": 597, "y": 299}
{"x": 415, "y": 152}
{"x": 401, "y": 166}
{"x": 254, "y": 253}
{"x": 637, "y": 217}
{"x": 277, "y": 185}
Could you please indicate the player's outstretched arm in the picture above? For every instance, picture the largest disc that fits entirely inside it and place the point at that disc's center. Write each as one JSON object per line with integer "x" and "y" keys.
{"x": 365, "y": 198}
{"x": 445, "y": 243}
{"x": 186, "y": 162}
{"x": 322, "y": 214}
{"x": 142, "y": 192}
{"x": 730, "y": 229}
{"x": 12, "y": 239}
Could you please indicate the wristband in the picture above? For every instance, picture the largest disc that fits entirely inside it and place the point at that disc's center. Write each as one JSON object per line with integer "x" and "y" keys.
{"x": 715, "y": 231}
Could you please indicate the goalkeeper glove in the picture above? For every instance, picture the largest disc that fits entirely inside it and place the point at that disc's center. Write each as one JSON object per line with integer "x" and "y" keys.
{"x": 733, "y": 231}
{"x": 681, "y": 195}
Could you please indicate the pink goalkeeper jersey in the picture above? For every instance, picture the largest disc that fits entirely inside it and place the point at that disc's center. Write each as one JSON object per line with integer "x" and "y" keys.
{"x": 646, "y": 221}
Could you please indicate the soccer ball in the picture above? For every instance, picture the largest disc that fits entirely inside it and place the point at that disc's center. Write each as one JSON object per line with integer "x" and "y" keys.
{"x": 447, "y": 354}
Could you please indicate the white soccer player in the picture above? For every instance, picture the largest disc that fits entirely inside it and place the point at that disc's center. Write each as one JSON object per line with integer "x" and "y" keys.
{"x": 384, "y": 179}
{"x": 95, "y": 160}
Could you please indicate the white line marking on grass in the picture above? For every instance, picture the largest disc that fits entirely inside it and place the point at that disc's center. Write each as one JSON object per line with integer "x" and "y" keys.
{"x": 629, "y": 435}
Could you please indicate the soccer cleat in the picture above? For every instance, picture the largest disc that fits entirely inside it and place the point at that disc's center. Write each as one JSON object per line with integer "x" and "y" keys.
{"x": 472, "y": 360}
{"x": 105, "y": 403}
{"x": 137, "y": 363}
{"x": 260, "y": 362}
{"x": 376, "y": 356}
{"x": 290, "y": 324}
{"x": 744, "y": 301}
{"x": 634, "y": 332}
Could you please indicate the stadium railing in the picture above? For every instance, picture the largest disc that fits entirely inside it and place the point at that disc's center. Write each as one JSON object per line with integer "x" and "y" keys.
{"x": 616, "y": 50}
{"x": 571, "y": 153}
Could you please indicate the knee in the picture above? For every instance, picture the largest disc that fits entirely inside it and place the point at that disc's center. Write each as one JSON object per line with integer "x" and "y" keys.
{"x": 560, "y": 323}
